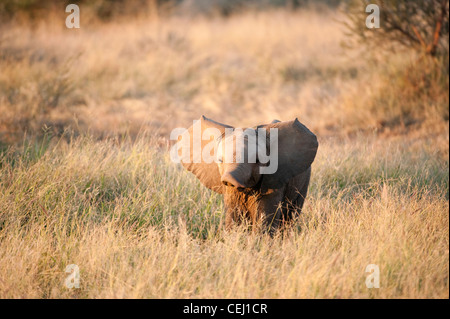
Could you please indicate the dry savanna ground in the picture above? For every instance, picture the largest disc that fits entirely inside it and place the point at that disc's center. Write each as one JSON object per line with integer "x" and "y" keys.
{"x": 86, "y": 178}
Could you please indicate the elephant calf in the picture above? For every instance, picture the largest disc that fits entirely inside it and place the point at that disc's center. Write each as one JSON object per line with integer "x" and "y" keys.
{"x": 236, "y": 170}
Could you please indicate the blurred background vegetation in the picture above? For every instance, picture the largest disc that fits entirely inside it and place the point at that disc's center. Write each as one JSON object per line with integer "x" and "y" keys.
{"x": 109, "y": 9}
{"x": 161, "y": 63}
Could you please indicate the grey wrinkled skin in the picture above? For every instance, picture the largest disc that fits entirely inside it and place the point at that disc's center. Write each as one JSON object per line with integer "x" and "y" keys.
{"x": 272, "y": 199}
{"x": 275, "y": 208}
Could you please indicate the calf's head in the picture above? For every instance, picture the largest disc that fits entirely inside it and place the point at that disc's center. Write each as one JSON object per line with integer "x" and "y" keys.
{"x": 264, "y": 157}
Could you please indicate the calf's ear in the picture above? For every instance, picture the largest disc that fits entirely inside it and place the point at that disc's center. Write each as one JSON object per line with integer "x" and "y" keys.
{"x": 297, "y": 148}
{"x": 205, "y": 132}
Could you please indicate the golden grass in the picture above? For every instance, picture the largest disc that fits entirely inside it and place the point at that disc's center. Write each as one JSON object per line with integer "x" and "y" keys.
{"x": 139, "y": 226}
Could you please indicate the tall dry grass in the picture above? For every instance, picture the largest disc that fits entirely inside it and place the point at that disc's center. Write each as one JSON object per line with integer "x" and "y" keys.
{"x": 139, "y": 226}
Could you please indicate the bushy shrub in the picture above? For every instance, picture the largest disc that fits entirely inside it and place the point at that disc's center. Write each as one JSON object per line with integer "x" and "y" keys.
{"x": 421, "y": 24}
